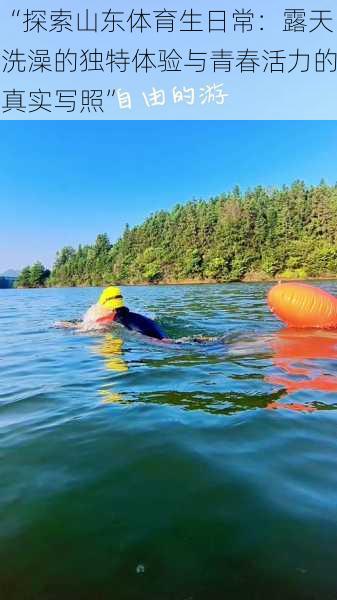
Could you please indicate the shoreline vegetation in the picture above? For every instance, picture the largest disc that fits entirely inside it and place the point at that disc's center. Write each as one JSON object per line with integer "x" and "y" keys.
{"x": 260, "y": 235}
{"x": 190, "y": 282}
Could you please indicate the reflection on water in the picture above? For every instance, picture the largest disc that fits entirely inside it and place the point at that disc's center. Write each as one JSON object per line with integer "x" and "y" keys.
{"x": 109, "y": 397}
{"x": 111, "y": 349}
{"x": 118, "y": 452}
{"x": 295, "y": 354}
{"x": 304, "y": 361}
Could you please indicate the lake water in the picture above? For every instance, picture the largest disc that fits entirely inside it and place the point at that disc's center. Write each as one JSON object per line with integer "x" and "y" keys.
{"x": 134, "y": 471}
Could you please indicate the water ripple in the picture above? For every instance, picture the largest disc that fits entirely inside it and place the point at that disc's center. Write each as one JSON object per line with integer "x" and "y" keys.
{"x": 130, "y": 469}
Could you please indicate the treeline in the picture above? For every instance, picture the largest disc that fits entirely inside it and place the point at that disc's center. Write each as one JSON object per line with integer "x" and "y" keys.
{"x": 33, "y": 276}
{"x": 263, "y": 233}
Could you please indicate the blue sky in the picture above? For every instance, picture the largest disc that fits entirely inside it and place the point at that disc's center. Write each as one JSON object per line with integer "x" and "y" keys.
{"x": 64, "y": 182}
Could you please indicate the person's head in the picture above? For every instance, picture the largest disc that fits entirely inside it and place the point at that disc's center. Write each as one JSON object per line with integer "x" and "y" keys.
{"x": 111, "y": 298}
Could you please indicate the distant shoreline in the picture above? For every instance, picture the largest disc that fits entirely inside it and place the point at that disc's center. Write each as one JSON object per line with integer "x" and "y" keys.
{"x": 173, "y": 282}
{"x": 261, "y": 235}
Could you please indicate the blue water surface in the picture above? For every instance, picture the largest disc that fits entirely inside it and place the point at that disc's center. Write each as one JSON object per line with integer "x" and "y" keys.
{"x": 135, "y": 470}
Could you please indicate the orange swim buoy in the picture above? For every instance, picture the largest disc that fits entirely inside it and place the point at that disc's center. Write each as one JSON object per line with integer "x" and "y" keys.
{"x": 302, "y": 305}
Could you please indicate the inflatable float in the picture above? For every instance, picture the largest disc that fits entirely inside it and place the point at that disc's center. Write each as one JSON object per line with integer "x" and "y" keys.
{"x": 304, "y": 306}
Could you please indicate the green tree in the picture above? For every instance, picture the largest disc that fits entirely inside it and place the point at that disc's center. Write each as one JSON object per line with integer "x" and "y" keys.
{"x": 24, "y": 278}
{"x": 38, "y": 275}
{"x": 232, "y": 236}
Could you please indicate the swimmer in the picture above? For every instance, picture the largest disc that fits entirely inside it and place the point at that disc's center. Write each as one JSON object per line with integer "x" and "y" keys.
{"x": 111, "y": 309}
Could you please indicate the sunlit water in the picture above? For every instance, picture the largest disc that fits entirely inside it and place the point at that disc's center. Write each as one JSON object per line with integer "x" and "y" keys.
{"x": 131, "y": 470}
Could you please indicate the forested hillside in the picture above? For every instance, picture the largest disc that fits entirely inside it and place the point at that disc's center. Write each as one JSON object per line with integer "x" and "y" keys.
{"x": 288, "y": 232}
{"x": 35, "y": 276}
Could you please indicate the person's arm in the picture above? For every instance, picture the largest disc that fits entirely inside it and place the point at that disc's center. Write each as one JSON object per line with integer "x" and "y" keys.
{"x": 68, "y": 324}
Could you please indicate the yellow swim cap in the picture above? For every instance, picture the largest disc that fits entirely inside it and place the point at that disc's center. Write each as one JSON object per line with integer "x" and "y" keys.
{"x": 111, "y": 298}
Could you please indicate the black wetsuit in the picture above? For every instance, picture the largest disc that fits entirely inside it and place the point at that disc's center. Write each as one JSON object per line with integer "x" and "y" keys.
{"x": 136, "y": 322}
